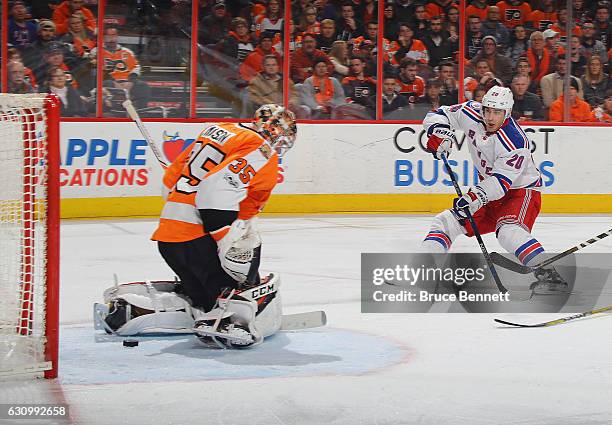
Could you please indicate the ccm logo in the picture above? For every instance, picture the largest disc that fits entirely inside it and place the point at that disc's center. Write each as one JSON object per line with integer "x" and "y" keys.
{"x": 261, "y": 291}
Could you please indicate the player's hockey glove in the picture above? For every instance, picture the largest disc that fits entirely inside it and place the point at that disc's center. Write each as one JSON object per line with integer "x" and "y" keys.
{"x": 472, "y": 201}
{"x": 441, "y": 141}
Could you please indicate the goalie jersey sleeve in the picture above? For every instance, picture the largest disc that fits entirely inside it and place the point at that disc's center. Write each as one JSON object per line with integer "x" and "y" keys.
{"x": 180, "y": 220}
{"x": 503, "y": 158}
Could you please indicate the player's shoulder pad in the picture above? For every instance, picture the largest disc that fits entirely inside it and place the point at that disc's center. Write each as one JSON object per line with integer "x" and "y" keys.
{"x": 477, "y": 106}
{"x": 512, "y": 136}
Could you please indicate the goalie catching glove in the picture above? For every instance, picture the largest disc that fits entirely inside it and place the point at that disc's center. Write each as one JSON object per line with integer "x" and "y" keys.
{"x": 440, "y": 141}
{"x": 239, "y": 250}
{"x": 472, "y": 201}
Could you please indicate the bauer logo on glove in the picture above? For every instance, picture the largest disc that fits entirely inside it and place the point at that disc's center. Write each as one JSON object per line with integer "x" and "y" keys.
{"x": 441, "y": 141}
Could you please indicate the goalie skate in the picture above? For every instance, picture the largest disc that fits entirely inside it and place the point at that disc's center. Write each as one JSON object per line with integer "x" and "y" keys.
{"x": 226, "y": 334}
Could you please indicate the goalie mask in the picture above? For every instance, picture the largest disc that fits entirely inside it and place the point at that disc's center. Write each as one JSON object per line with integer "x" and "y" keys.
{"x": 277, "y": 125}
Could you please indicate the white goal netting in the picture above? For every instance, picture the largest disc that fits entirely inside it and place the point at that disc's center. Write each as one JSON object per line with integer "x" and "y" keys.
{"x": 23, "y": 236}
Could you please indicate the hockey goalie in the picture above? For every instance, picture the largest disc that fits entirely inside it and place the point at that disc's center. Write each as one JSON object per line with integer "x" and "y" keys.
{"x": 208, "y": 235}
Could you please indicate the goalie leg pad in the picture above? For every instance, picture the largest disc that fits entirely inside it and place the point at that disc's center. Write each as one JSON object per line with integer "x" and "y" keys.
{"x": 146, "y": 307}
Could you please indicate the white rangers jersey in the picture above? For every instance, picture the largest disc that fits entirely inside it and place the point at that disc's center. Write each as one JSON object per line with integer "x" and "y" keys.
{"x": 503, "y": 159}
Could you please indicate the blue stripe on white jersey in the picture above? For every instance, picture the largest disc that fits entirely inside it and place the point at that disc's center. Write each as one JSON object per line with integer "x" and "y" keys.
{"x": 512, "y": 136}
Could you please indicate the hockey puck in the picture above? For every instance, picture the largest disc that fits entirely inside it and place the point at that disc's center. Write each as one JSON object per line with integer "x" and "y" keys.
{"x": 130, "y": 343}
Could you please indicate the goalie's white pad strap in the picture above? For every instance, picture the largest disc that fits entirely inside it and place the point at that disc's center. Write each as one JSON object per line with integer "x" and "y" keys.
{"x": 162, "y": 322}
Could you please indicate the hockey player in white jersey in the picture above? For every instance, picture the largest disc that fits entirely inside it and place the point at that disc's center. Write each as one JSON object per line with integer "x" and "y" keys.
{"x": 507, "y": 198}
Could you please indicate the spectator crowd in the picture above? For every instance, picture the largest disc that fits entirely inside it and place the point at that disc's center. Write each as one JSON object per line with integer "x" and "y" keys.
{"x": 333, "y": 55}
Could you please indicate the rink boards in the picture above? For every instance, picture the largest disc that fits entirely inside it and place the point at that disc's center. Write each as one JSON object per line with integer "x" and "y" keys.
{"x": 108, "y": 170}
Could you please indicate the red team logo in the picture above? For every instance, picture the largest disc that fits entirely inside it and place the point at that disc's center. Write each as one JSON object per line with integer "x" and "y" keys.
{"x": 174, "y": 145}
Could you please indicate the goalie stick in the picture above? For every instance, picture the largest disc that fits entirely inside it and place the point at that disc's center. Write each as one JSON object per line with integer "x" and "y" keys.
{"x": 483, "y": 248}
{"x": 129, "y": 107}
{"x": 506, "y": 263}
{"x": 556, "y": 321}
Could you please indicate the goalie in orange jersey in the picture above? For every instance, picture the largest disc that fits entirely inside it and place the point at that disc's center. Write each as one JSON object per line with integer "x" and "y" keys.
{"x": 207, "y": 230}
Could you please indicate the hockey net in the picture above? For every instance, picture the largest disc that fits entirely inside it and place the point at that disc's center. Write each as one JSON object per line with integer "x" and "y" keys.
{"x": 29, "y": 235}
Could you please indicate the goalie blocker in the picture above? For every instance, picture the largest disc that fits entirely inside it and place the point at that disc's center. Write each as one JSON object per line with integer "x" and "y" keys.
{"x": 153, "y": 307}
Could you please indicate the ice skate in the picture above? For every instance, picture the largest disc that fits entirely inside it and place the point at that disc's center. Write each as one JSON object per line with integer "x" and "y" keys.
{"x": 549, "y": 282}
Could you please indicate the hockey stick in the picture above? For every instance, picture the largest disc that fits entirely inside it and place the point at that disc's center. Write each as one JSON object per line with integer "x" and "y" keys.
{"x": 557, "y": 321}
{"x": 483, "y": 248}
{"x": 519, "y": 268}
{"x": 143, "y": 130}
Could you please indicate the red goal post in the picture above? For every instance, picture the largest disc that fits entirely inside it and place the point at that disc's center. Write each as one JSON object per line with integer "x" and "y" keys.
{"x": 29, "y": 235}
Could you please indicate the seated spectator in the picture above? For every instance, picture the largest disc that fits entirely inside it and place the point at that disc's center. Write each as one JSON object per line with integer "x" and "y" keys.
{"x": 603, "y": 113}
{"x": 578, "y": 61}
{"x": 118, "y": 60}
{"x": 80, "y": 38}
{"x": 271, "y": 21}
{"x": 514, "y": 12}
{"x": 339, "y": 57}
{"x": 238, "y": 43}
{"x": 63, "y": 12}
{"x": 524, "y": 69}
{"x": 590, "y": 44}
{"x": 54, "y": 57}
{"x": 14, "y": 55}
{"x": 72, "y": 104}
{"x": 438, "y": 7}
{"x": 449, "y": 89}
{"x": 405, "y": 10}
{"x": 540, "y": 60}
{"x": 603, "y": 29}
{"x": 493, "y": 26}
{"x": 327, "y": 37}
{"x": 215, "y": 26}
{"x": 391, "y": 23}
{"x": 33, "y": 53}
{"x": 302, "y": 59}
{"x": 390, "y": 99}
{"x": 432, "y": 100}
{"x": 544, "y": 16}
{"x": 371, "y": 34}
{"x": 518, "y": 44}
{"x": 452, "y": 27}
{"x": 561, "y": 23}
{"x": 479, "y": 93}
{"x": 552, "y": 84}
{"x": 326, "y": 10}
{"x": 500, "y": 64}
{"x": 322, "y": 93}
{"x": 407, "y": 47}
{"x": 358, "y": 88}
{"x": 552, "y": 43}
{"x": 408, "y": 83}
{"x": 121, "y": 65}
{"x": 483, "y": 76}
{"x": 580, "y": 13}
{"x": 252, "y": 65}
{"x": 367, "y": 50}
{"x": 267, "y": 85}
{"x": 474, "y": 36}
{"x": 368, "y": 11}
{"x": 308, "y": 21}
{"x": 527, "y": 106}
{"x": 477, "y": 8}
{"x": 16, "y": 79}
{"x": 580, "y": 111}
{"x": 437, "y": 42}
{"x": 420, "y": 22}
{"x": 21, "y": 30}
{"x": 347, "y": 26}
{"x": 595, "y": 82}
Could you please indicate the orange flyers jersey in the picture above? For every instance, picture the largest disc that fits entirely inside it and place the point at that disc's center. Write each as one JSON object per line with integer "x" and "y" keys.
{"x": 180, "y": 220}
{"x": 512, "y": 16}
{"x": 244, "y": 180}
{"x": 121, "y": 62}
{"x": 542, "y": 20}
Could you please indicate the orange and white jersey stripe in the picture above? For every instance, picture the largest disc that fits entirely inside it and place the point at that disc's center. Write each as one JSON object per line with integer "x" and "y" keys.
{"x": 180, "y": 220}
{"x": 243, "y": 182}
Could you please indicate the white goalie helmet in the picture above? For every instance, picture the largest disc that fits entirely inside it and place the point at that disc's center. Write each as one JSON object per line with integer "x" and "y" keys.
{"x": 499, "y": 98}
{"x": 277, "y": 125}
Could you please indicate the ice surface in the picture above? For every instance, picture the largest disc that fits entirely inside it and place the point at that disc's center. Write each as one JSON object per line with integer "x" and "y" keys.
{"x": 387, "y": 369}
